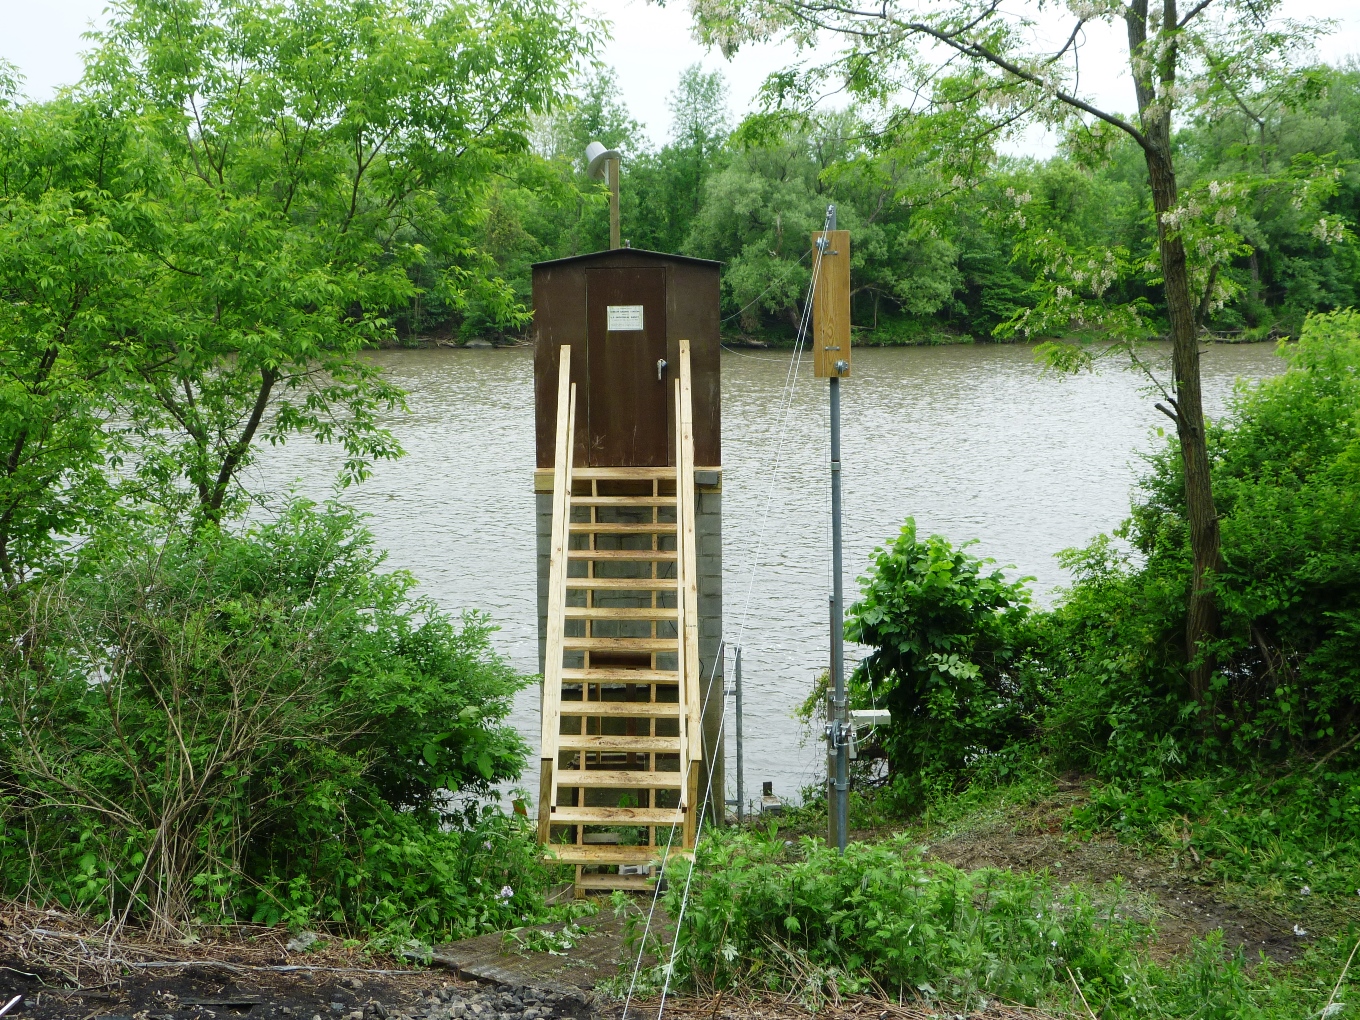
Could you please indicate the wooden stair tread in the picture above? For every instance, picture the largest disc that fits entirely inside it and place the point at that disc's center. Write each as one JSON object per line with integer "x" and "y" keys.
{"x": 572, "y": 853}
{"x": 623, "y": 528}
{"x": 616, "y": 815}
{"x": 620, "y": 644}
{"x": 626, "y": 474}
{"x": 623, "y": 583}
{"x": 608, "y": 778}
{"x": 608, "y": 883}
{"x": 626, "y": 709}
{"x": 621, "y": 613}
{"x": 642, "y": 745}
{"x": 623, "y": 501}
{"x": 666, "y": 555}
{"x": 620, "y": 674}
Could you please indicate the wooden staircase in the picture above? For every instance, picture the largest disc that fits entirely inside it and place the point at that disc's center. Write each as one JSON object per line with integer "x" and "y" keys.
{"x": 622, "y": 735}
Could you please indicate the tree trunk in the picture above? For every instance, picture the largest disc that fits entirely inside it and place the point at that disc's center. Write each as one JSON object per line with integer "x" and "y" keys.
{"x": 1254, "y": 288}
{"x": 1154, "y": 69}
{"x": 1201, "y": 618}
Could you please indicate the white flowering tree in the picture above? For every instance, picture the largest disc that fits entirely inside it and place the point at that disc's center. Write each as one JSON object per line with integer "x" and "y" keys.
{"x": 1182, "y": 63}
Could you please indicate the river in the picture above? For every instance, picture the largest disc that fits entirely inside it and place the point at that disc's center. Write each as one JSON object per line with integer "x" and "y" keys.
{"x": 975, "y": 442}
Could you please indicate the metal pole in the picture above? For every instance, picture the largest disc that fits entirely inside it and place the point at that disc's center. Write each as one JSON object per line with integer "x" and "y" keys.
{"x": 612, "y": 171}
{"x": 838, "y": 623}
{"x": 839, "y": 723}
{"x": 741, "y": 773}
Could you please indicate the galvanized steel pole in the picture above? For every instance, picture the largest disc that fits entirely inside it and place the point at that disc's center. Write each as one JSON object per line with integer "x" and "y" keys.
{"x": 838, "y": 723}
{"x": 741, "y": 772}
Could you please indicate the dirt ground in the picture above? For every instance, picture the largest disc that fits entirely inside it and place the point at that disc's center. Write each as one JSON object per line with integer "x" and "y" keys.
{"x": 64, "y": 970}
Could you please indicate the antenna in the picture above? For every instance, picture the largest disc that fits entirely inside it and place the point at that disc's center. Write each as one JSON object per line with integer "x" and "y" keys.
{"x": 602, "y": 164}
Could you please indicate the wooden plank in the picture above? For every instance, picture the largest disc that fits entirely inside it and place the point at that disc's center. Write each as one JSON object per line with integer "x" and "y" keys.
{"x": 563, "y": 815}
{"x": 582, "y": 742}
{"x": 692, "y": 815}
{"x": 611, "y": 528}
{"x": 681, "y": 588}
{"x": 546, "y": 768}
{"x": 625, "y": 474}
{"x": 611, "y": 778}
{"x": 689, "y": 596}
{"x": 622, "y": 709}
{"x": 628, "y": 613}
{"x": 658, "y": 501}
{"x": 570, "y": 853}
{"x": 623, "y": 555}
{"x": 559, "y": 595}
{"x": 619, "y": 674}
{"x": 622, "y": 583}
{"x": 605, "y": 883}
{"x": 831, "y": 305}
{"x": 620, "y": 644}
{"x": 557, "y": 572}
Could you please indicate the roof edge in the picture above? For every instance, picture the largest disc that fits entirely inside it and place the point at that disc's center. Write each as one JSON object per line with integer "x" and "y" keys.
{"x": 612, "y": 252}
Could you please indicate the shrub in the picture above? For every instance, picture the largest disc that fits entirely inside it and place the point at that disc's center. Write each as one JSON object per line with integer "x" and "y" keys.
{"x": 817, "y": 923}
{"x": 256, "y": 726}
{"x": 948, "y": 639}
{"x": 1286, "y": 470}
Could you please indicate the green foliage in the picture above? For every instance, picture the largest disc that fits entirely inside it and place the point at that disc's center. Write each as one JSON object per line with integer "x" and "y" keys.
{"x": 198, "y": 241}
{"x": 260, "y": 726}
{"x": 810, "y": 921}
{"x": 948, "y": 657}
{"x": 1285, "y": 478}
{"x": 768, "y": 914}
{"x": 1280, "y": 831}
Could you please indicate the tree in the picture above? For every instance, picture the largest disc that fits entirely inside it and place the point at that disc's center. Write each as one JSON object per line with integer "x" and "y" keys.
{"x": 1175, "y": 58}
{"x": 316, "y": 153}
{"x": 73, "y": 276}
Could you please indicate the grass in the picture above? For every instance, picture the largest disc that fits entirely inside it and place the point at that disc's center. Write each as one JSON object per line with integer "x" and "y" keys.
{"x": 1171, "y": 897}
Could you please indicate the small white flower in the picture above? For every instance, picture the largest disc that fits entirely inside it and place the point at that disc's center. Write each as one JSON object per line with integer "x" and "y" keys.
{"x": 1306, "y": 891}
{"x": 505, "y": 893}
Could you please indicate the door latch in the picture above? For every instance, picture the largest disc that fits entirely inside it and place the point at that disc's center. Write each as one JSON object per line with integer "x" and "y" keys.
{"x": 660, "y": 368}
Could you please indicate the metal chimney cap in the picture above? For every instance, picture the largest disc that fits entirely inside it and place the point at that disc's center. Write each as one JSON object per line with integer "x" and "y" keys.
{"x": 596, "y": 154}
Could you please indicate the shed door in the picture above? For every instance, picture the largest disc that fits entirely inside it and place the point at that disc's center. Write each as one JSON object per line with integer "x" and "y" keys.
{"x": 629, "y": 407}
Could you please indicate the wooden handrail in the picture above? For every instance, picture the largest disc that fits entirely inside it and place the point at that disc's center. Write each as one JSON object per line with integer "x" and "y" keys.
{"x": 557, "y": 577}
{"x": 689, "y": 588}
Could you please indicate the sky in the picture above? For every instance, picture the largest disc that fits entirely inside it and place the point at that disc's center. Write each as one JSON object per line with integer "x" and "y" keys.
{"x": 651, "y": 46}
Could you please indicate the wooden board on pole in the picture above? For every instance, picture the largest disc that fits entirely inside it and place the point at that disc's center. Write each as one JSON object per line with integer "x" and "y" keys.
{"x": 831, "y": 304}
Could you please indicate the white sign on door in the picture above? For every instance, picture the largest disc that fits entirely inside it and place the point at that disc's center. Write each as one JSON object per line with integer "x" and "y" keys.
{"x": 622, "y": 317}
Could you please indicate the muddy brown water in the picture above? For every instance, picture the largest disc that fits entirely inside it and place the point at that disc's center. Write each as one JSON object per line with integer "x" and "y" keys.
{"x": 975, "y": 442}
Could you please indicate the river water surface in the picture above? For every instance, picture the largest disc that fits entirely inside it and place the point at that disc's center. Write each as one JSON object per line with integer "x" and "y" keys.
{"x": 975, "y": 442}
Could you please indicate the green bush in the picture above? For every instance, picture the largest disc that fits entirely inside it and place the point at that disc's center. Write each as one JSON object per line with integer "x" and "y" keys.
{"x": 256, "y": 726}
{"x": 807, "y": 920}
{"x": 949, "y": 657}
{"x": 1286, "y": 469}
{"x": 802, "y": 920}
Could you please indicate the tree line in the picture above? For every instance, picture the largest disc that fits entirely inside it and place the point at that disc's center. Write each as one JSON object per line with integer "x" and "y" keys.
{"x": 941, "y": 232}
